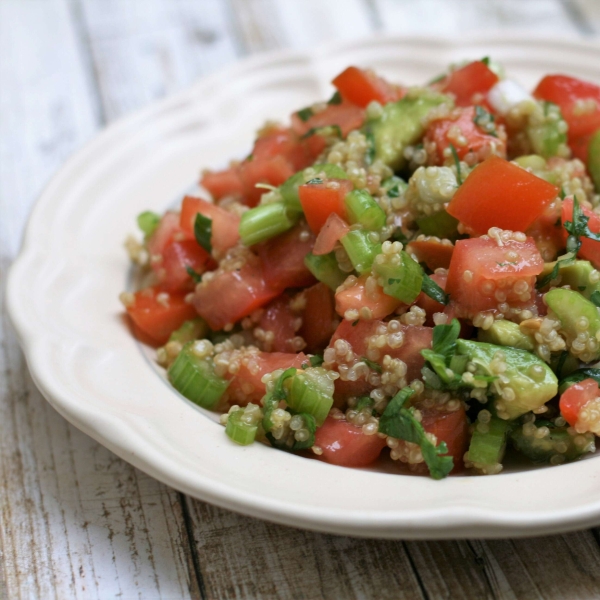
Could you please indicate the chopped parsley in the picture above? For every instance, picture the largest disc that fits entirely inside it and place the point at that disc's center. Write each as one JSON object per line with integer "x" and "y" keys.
{"x": 372, "y": 365}
{"x": 305, "y": 114}
{"x": 457, "y": 164}
{"x": 595, "y": 298}
{"x": 196, "y": 277}
{"x": 336, "y": 129}
{"x": 335, "y": 99}
{"x": 315, "y": 181}
{"x": 203, "y": 231}
{"x": 433, "y": 290}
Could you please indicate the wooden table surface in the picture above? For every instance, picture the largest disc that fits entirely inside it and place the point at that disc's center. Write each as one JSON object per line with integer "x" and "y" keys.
{"x": 78, "y": 522}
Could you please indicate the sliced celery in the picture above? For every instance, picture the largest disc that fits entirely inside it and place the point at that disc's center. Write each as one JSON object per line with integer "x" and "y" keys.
{"x": 325, "y": 268}
{"x": 189, "y": 331}
{"x": 360, "y": 249}
{"x": 195, "y": 378}
{"x": 266, "y": 221}
{"x": 238, "y": 430}
{"x": 402, "y": 281}
{"x": 362, "y": 208}
{"x": 487, "y": 449}
{"x": 148, "y": 221}
{"x": 312, "y": 392}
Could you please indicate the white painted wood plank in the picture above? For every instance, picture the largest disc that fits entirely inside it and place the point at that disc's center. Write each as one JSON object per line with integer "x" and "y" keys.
{"x": 75, "y": 521}
{"x": 455, "y": 17}
{"x": 145, "y": 49}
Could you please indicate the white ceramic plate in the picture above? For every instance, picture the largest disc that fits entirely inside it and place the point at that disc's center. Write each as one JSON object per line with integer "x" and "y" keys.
{"x": 63, "y": 289}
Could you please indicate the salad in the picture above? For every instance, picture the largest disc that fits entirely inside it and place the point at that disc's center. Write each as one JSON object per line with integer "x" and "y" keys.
{"x": 411, "y": 272}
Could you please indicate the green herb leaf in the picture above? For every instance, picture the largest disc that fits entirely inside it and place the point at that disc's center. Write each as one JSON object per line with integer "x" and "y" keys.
{"x": 433, "y": 290}
{"x": 335, "y": 99}
{"x": 370, "y": 152}
{"x": 364, "y": 402}
{"x": 372, "y": 365}
{"x": 546, "y": 280}
{"x": 309, "y": 424}
{"x": 203, "y": 231}
{"x": 315, "y": 181}
{"x": 444, "y": 338}
{"x": 196, "y": 277}
{"x": 561, "y": 362}
{"x": 457, "y": 164}
{"x": 578, "y": 228}
{"x": 595, "y": 298}
{"x": 400, "y": 423}
{"x": 316, "y": 360}
{"x": 336, "y": 129}
{"x": 305, "y": 114}
{"x": 486, "y": 61}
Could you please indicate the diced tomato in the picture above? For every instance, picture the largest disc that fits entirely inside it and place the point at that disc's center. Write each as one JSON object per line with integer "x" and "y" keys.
{"x": 232, "y": 295}
{"x": 334, "y": 229}
{"x": 361, "y": 87}
{"x": 246, "y": 385}
{"x": 429, "y": 305}
{"x": 547, "y": 231}
{"x": 283, "y": 258}
{"x": 318, "y": 318}
{"x": 451, "y": 427}
{"x": 225, "y": 224}
{"x": 498, "y": 193}
{"x": 579, "y": 102}
{"x": 167, "y": 231}
{"x": 345, "y": 115}
{"x": 575, "y": 397}
{"x": 469, "y": 82}
{"x": 590, "y": 249}
{"x": 280, "y": 321}
{"x": 223, "y": 183}
{"x": 177, "y": 257}
{"x": 273, "y": 170}
{"x": 158, "y": 316}
{"x": 346, "y": 445}
{"x": 443, "y": 132}
{"x": 319, "y": 200}
{"x": 483, "y": 275}
{"x": 282, "y": 142}
{"x": 357, "y": 297}
{"x": 580, "y": 146}
{"x": 432, "y": 252}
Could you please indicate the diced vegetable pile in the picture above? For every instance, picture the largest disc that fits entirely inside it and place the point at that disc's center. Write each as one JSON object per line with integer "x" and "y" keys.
{"x": 410, "y": 272}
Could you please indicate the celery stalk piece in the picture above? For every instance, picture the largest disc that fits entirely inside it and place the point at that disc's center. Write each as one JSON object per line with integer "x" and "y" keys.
{"x": 195, "y": 378}
{"x": 312, "y": 392}
{"x": 266, "y": 221}
{"x": 361, "y": 250}
{"x": 402, "y": 280}
{"x": 325, "y": 268}
{"x": 238, "y": 430}
{"x": 362, "y": 208}
{"x": 190, "y": 331}
{"x": 487, "y": 449}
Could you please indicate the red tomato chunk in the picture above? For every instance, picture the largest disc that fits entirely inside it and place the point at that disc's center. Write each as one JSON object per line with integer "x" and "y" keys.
{"x": 321, "y": 200}
{"x": 575, "y": 399}
{"x": 178, "y": 257}
{"x": 470, "y": 83}
{"x": 362, "y": 87}
{"x": 590, "y": 249}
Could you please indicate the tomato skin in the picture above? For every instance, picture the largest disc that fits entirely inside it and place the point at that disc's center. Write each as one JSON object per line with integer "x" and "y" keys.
{"x": 466, "y": 82}
{"x": 432, "y": 252}
{"x": 565, "y": 92}
{"x": 481, "y": 143}
{"x": 176, "y": 257}
{"x": 233, "y": 295}
{"x": 273, "y": 171}
{"x": 492, "y": 270}
{"x": 355, "y": 297}
{"x": 280, "y": 320}
{"x": 334, "y": 229}
{"x": 282, "y": 142}
{"x": 225, "y": 225}
{"x": 320, "y": 200}
{"x": 239, "y": 391}
{"x": 318, "y": 318}
{"x": 362, "y": 87}
{"x": 575, "y": 397}
{"x": 345, "y": 115}
{"x": 283, "y": 258}
{"x": 167, "y": 231}
{"x": 498, "y": 193}
{"x": 346, "y": 445}
{"x": 155, "y": 319}
{"x": 222, "y": 183}
{"x": 451, "y": 427}
{"x": 590, "y": 249}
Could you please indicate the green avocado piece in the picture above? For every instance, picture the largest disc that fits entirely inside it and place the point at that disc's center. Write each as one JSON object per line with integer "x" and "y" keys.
{"x": 569, "y": 307}
{"x": 530, "y": 378}
{"x": 506, "y": 333}
{"x": 400, "y": 125}
{"x": 557, "y": 441}
{"x": 289, "y": 188}
{"x": 576, "y": 276}
{"x": 593, "y": 162}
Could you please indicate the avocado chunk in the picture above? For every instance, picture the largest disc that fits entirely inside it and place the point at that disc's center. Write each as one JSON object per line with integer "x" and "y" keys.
{"x": 570, "y": 307}
{"x": 593, "y": 162}
{"x": 506, "y": 333}
{"x": 289, "y": 188}
{"x": 578, "y": 276}
{"x": 401, "y": 124}
{"x": 531, "y": 379}
{"x": 557, "y": 442}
